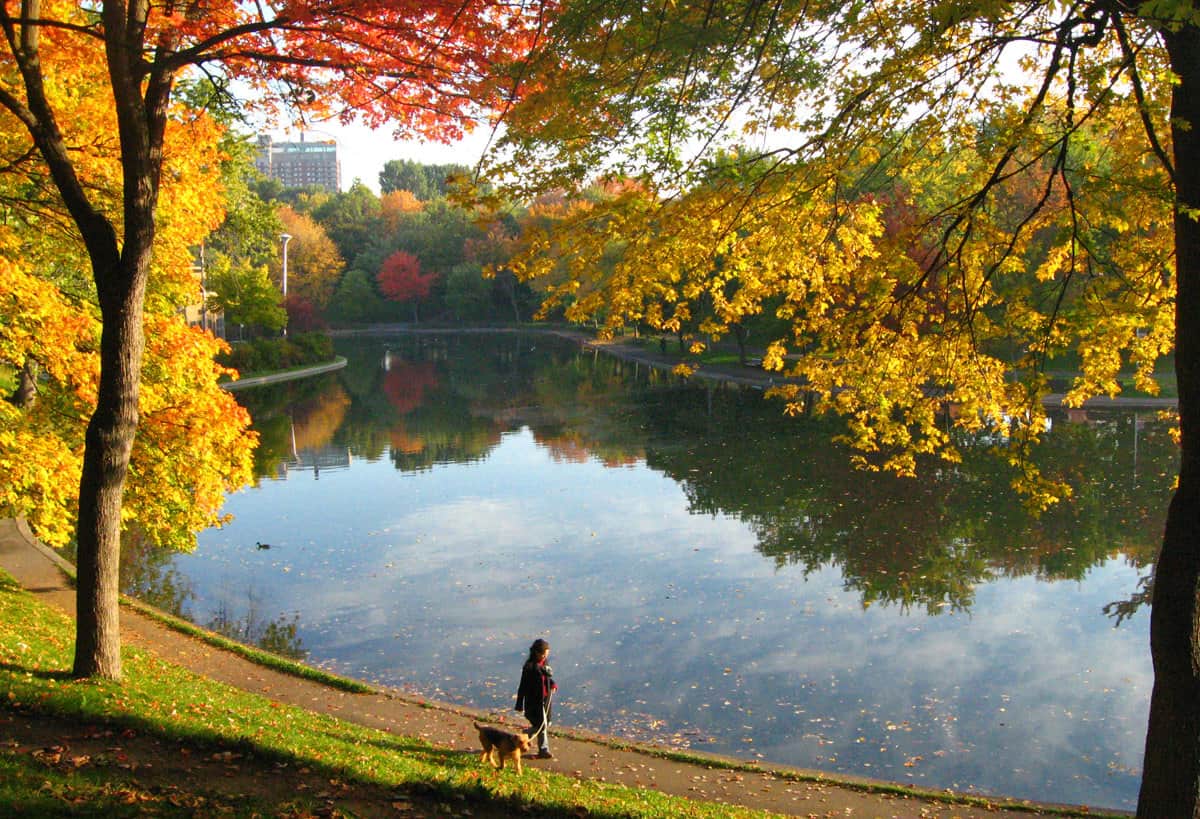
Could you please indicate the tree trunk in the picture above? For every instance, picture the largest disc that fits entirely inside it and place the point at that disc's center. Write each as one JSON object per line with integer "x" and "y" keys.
{"x": 25, "y": 395}
{"x": 742, "y": 335}
{"x": 507, "y": 282}
{"x": 109, "y": 444}
{"x": 120, "y": 270}
{"x": 1171, "y": 769}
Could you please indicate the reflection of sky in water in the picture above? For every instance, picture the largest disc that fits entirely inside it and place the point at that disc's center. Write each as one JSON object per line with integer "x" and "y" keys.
{"x": 667, "y": 624}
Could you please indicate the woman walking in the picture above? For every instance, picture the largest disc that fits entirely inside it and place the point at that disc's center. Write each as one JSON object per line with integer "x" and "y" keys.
{"x": 534, "y": 694}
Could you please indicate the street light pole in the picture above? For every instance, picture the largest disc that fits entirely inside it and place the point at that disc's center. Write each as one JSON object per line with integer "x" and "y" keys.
{"x": 286, "y": 237}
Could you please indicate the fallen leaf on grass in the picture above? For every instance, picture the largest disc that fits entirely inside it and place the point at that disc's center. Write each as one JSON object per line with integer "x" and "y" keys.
{"x": 49, "y": 756}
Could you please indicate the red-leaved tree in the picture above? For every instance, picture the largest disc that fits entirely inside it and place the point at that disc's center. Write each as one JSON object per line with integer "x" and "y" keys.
{"x": 401, "y": 280}
{"x": 424, "y": 66}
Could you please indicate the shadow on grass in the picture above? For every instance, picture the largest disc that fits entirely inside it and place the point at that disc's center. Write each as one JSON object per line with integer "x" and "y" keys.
{"x": 422, "y": 751}
{"x": 38, "y": 673}
{"x": 98, "y": 788}
{"x": 30, "y": 787}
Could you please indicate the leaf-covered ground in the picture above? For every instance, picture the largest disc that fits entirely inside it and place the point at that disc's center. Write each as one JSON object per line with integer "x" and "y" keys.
{"x": 53, "y": 767}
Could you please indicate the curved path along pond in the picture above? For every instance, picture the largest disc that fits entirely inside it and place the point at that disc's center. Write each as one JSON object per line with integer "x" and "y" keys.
{"x": 710, "y": 574}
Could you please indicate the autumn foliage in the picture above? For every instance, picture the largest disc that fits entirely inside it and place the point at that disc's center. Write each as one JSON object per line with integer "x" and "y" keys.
{"x": 924, "y": 204}
{"x": 401, "y": 279}
{"x": 89, "y": 95}
{"x": 195, "y": 442}
{"x": 314, "y": 264}
{"x": 423, "y": 67}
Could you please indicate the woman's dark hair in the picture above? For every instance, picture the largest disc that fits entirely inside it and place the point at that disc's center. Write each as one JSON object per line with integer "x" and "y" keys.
{"x": 539, "y": 649}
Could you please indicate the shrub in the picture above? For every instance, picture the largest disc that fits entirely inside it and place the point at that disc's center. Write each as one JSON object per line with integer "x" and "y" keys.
{"x": 270, "y": 354}
{"x": 314, "y": 347}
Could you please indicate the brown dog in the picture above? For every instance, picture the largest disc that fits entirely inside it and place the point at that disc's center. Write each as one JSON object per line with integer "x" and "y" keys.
{"x": 502, "y": 744}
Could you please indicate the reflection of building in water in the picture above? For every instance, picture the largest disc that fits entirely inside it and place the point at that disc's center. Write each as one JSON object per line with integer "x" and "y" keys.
{"x": 322, "y": 458}
{"x": 1101, "y": 418}
{"x": 316, "y": 458}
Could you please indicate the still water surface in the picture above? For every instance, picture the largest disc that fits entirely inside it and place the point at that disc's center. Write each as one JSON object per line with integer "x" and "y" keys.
{"x": 709, "y": 574}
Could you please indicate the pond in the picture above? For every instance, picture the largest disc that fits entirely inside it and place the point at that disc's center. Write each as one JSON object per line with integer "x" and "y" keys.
{"x": 711, "y": 575}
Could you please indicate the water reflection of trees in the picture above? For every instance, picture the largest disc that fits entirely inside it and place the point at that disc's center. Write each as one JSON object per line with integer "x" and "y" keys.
{"x": 414, "y": 398}
{"x": 444, "y": 429}
{"x": 148, "y": 573}
{"x": 278, "y": 636}
{"x": 292, "y": 416}
{"x": 925, "y": 543}
{"x": 929, "y": 541}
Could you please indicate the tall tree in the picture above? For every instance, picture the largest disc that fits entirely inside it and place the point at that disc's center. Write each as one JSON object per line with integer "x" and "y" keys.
{"x": 350, "y": 218}
{"x": 246, "y": 295}
{"x": 426, "y": 182}
{"x": 396, "y": 206}
{"x": 423, "y": 66}
{"x": 237, "y": 255}
{"x": 356, "y": 299}
{"x": 249, "y": 235}
{"x": 194, "y": 444}
{"x": 314, "y": 264}
{"x": 948, "y": 195}
{"x": 401, "y": 280}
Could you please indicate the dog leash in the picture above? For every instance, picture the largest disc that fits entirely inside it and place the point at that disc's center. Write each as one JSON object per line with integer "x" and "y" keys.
{"x": 546, "y": 716}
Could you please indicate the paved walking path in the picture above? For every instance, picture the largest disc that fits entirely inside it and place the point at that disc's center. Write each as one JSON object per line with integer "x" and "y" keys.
{"x": 577, "y": 753}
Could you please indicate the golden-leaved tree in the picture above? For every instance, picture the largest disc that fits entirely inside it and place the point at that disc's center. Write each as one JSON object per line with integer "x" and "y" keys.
{"x": 195, "y": 444}
{"x": 314, "y": 264}
{"x": 423, "y": 66}
{"x": 937, "y": 198}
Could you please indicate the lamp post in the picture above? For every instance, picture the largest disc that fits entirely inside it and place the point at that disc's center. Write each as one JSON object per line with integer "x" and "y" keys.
{"x": 286, "y": 237}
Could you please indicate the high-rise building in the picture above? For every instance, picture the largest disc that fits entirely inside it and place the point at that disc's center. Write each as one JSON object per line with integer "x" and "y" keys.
{"x": 300, "y": 164}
